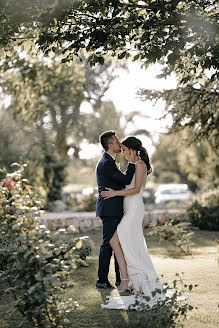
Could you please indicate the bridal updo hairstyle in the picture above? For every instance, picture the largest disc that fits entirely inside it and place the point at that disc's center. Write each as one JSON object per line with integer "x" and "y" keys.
{"x": 136, "y": 144}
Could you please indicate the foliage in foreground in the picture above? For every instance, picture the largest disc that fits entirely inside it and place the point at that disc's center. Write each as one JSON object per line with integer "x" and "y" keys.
{"x": 35, "y": 264}
{"x": 168, "y": 313}
{"x": 183, "y": 32}
{"x": 176, "y": 234}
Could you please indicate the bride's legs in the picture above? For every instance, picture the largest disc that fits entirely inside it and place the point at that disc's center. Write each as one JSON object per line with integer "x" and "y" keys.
{"x": 115, "y": 244}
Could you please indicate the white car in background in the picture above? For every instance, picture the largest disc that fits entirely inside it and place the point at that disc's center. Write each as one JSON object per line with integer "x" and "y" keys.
{"x": 87, "y": 191}
{"x": 172, "y": 192}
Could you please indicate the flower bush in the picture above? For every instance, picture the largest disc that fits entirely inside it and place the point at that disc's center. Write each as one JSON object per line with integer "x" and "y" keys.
{"x": 34, "y": 269}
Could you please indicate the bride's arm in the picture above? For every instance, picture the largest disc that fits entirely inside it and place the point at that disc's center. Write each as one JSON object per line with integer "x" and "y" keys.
{"x": 139, "y": 175}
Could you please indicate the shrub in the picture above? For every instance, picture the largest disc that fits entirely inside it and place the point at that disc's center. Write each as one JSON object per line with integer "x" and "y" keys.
{"x": 87, "y": 203}
{"x": 204, "y": 211}
{"x": 82, "y": 247}
{"x": 169, "y": 313}
{"x": 176, "y": 234}
{"x": 81, "y": 203}
{"x": 35, "y": 270}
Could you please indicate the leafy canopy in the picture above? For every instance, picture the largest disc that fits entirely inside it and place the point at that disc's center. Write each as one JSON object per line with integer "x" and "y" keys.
{"x": 182, "y": 33}
{"x": 193, "y": 106}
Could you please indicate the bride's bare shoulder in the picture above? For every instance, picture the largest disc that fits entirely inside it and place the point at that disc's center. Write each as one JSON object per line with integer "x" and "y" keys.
{"x": 141, "y": 165}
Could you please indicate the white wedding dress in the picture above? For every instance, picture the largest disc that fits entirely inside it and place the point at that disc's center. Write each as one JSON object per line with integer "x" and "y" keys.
{"x": 142, "y": 274}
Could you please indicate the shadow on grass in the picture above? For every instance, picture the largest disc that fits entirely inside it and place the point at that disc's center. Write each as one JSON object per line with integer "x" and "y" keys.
{"x": 96, "y": 317}
{"x": 90, "y": 314}
{"x": 9, "y": 318}
{"x": 204, "y": 238}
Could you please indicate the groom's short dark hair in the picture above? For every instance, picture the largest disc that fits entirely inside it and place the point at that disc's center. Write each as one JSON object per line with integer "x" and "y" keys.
{"x": 106, "y": 138}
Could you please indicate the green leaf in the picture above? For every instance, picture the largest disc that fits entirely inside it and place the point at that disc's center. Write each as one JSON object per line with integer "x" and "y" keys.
{"x": 122, "y": 55}
{"x": 32, "y": 289}
{"x": 153, "y": 293}
{"x": 147, "y": 298}
{"x": 172, "y": 58}
{"x": 136, "y": 57}
{"x": 100, "y": 60}
{"x": 79, "y": 244}
{"x": 28, "y": 253}
{"x": 4, "y": 274}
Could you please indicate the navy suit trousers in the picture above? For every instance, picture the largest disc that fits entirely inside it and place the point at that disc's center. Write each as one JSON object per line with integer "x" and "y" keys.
{"x": 109, "y": 227}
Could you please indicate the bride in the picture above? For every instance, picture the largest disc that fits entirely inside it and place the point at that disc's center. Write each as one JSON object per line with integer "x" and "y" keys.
{"x": 136, "y": 268}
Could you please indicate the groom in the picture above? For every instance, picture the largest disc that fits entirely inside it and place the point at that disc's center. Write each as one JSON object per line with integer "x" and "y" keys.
{"x": 110, "y": 210}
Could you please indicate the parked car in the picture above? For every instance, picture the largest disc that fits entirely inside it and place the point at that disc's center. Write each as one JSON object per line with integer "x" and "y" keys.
{"x": 172, "y": 193}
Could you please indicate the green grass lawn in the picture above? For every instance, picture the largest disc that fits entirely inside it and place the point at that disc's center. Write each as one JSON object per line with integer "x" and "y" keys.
{"x": 199, "y": 268}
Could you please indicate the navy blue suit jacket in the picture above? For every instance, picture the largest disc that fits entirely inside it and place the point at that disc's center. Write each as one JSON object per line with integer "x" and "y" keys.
{"x": 108, "y": 175}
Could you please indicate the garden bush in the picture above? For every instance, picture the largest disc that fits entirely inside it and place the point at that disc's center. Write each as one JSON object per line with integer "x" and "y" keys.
{"x": 81, "y": 203}
{"x": 176, "y": 234}
{"x": 204, "y": 211}
{"x": 88, "y": 203}
{"x": 35, "y": 270}
{"x": 169, "y": 313}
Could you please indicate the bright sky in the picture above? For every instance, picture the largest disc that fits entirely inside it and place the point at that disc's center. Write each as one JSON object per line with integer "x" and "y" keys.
{"x": 123, "y": 94}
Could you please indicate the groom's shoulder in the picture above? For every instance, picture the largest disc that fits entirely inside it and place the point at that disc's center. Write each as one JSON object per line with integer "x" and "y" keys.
{"x": 104, "y": 161}
{"x": 101, "y": 161}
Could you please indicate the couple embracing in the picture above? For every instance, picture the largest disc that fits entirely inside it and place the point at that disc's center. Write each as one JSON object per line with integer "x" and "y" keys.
{"x": 121, "y": 209}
